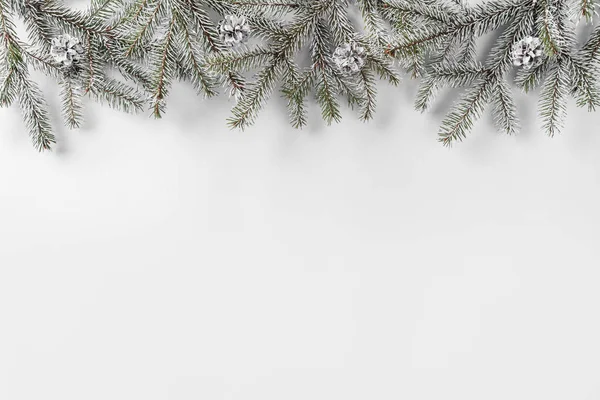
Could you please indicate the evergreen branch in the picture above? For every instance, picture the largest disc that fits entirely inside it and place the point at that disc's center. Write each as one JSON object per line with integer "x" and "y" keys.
{"x": 91, "y": 72}
{"x": 504, "y": 110}
{"x": 553, "y": 99}
{"x": 584, "y": 87}
{"x": 244, "y": 61}
{"x": 165, "y": 60}
{"x": 457, "y": 75}
{"x": 433, "y": 14}
{"x": 145, "y": 29}
{"x": 367, "y": 82}
{"x": 324, "y": 84}
{"x": 529, "y": 79}
{"x": 326, "y": 97}
{"x": 470, "y": 108}
{"x": 587, "y": 9}
{"x": 42, "y": 63}
{"x": 266, "y": 4}
{"x": 192, "y": 62}
{"x": 548, "y": 29}
{"x": 383, "y": 66}
{"x": 128, "y": 68}
{"x": 118, "y": 96}
{"x": 35, "y": 114}
{"x": 8, "y": 90}
{"x": 425, "y": 94}
{"x": 296, "y": 88}
{"x": 374, "y": 24}
{"x": 71, "y": 106}
{"x": 591, "y": 48}
{"x": 479, "y": 22}
{"x": 73, "y": 21}
{"x": 246, "y": 110}
{"x": 200, "y": 19}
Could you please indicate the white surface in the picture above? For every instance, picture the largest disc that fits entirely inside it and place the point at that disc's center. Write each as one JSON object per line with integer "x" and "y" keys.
{"x": 176, "y": 259}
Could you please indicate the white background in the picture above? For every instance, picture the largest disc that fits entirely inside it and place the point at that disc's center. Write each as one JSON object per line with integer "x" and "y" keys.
{"x": 177, "y": 259}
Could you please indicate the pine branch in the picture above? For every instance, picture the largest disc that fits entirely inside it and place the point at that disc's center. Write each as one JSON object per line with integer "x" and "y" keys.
{"x": 8, "y": 89}
{"x": 296, "y": 88}
{"x": 548, "y": 28}
{"x": 367, "y": 81}
{"x": 504, "y": 110}
{"x": 479, "y": 22}
{"x": 35, "y": 114}
{"x": 426, "y": 93}
{"x": 71, "y": 107}
{"x": 584, "y": 87}
{"x": 529, "y": 79}
{"x": 587, "y": 9}
{"x": 190, "y": 59}
{"x": 18, "y": 85}
{"x": 245, "y": 112}
{"x": 553, "y": 99}
{"x": 118, "y": 96}
{"x": 470, "y": 108}
{"x": 163, "y": 63}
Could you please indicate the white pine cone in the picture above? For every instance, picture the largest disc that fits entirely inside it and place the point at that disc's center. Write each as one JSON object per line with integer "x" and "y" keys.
{"x": 527, "y": 52}
{"x": 349, "y": 58}
{"x": 234, "y": 30}
{"x": 66, "y": 50}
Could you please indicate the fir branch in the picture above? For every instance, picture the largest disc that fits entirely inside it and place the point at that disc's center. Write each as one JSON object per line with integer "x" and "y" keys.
{"x": 548, "y": 28}
{"x": 587, "y": 9}
{"x": 470, "y": 108}
{"x": 35, "y": 114}
{"x": 198, "y": 18}
{"x": 72, "y": 21}
{"x": 190, "y": 59}
{"x": 504, "y": 110}
{"x": 8, "y": 89}
{"x": 553, "y": 99}
{"x": 457, "y": 75}
{"x": 118, "y": 96}
{"x": 591, "y": 48}
{"x": 163, "y": 62}
{"x": 71, "y": 107}
{"x": 42, "y": 63}
{"x": 325, "y": 86}
{"x": 529, "y": 79}
{"x": 246, "y": 110}
{"x": 326, "y": 97}
{"x": 367, "y": 82}
{"x": 239, "y": 60}
{"x": 143, "y": 32}
{"x": 584, "y": 87}
{"x": 296, "y": 88}
{"x": 480, "y": 21}
{"x": 18, "y": 85}
{"x": 426, "y": 93}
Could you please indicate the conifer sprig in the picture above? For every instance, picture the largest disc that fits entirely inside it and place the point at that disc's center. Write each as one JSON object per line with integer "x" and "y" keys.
{"x": 301, "y": 36}
{"x": 81, "y": 67}
{"x": 443, "y": 52}
{"x": 129, "y": 53}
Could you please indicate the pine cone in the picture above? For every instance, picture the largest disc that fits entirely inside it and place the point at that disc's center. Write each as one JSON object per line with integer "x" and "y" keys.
{"x": 66, "y": 50}
{"x": 527, "y": 52}
{"x": 349, "y": 58}
{"x": 234, "y": 30}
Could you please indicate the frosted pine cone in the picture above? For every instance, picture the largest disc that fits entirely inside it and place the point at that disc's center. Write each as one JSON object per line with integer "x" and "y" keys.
{"x": 527, "y": 52}
{"x": 66, "y": 50}
{"x": 349, "y": 58}
{"x": 234, "y": 30}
